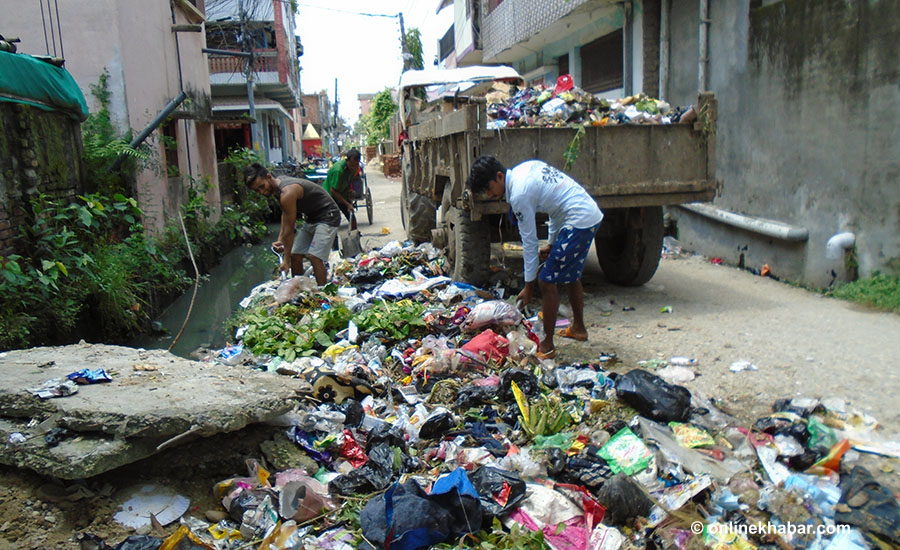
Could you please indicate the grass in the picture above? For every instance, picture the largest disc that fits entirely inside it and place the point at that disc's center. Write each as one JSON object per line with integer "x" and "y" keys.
{"x": 879, "y": 291}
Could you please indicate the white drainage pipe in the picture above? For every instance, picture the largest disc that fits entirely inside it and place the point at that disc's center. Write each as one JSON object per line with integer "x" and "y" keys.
{"x": 839, "y": 242}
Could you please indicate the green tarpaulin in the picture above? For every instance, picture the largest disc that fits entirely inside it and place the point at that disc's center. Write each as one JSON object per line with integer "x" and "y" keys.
{"x": 25, "y": 79}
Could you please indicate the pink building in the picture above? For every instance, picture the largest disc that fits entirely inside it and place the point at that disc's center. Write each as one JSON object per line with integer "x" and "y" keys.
{"x": 152, "y": 51}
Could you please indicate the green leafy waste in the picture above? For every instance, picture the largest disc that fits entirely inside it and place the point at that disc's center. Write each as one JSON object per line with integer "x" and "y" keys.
{"x": 290, "y": 332}
{"x": 398, "y": 320}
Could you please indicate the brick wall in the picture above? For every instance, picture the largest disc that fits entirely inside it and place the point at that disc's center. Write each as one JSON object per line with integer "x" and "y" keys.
{"x": 40, "y": 152}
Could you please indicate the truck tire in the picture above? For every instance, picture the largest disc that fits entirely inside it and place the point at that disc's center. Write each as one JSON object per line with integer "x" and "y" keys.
{"x": 470, "y": 249}
{"x": 629, "y": 243}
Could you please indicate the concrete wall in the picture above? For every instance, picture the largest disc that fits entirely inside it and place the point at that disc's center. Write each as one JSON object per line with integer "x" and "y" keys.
{"x": 808, "y": 131}
{"x": 133, "y": 41}
{"x": 40, "y": 152}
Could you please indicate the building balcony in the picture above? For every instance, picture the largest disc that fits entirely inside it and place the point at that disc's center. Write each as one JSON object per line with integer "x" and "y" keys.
{"x": 227, "y": 76}
{"x": 513, "y": 29}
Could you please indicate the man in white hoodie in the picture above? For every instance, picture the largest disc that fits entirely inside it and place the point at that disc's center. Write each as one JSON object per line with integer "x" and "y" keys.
{"x": 531, "y": 187}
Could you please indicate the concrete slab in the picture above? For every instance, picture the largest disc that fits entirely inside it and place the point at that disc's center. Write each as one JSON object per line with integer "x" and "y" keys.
{"x": 154, "y": 396}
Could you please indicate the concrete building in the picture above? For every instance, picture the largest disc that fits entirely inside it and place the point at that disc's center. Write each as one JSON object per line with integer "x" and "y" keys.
{"x": 807, "y": 144}
{"x": 151, "y": 52}
{"x": 265, "y": 28}
{"x": 365, "y": 103}
{"x": 318, "y": 112}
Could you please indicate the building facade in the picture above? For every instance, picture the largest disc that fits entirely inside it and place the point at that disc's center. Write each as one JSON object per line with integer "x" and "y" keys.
{"x": 265, "y": 29}
{"x": 150, "y": 52}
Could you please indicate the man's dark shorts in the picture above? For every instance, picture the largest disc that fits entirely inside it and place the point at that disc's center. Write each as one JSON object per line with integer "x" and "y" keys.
{"x": 567, "y": 255}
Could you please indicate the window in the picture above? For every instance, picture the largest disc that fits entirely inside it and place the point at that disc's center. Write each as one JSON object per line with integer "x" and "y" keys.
{"x": 446, "y": 44}
{"x": 169, "y": 141}
{"x": 274, "y": 136}
{"x": 601, "y": 63}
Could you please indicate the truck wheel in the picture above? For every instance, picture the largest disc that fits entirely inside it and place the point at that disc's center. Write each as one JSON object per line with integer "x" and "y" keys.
{"x": 469, "y": 249}
{"x": 629, "y": 243}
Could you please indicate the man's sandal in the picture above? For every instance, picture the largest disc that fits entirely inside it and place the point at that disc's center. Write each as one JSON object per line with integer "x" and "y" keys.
{"x": 567, "y": 333}
{"x": 546, "y": 355}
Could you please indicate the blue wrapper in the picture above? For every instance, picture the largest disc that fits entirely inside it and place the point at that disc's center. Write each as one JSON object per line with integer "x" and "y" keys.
{"x": 89, "y": 376}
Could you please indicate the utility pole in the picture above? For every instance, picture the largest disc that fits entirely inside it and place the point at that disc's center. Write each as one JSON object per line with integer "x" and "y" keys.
{"x": 247, "y": 47}
{"x": 335, "y": 120}
{"x": 404, "y": 51}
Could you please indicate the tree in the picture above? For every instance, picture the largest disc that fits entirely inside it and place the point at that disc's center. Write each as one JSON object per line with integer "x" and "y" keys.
{"x": 378, "y": 121}
{"x": 414, "y": 47}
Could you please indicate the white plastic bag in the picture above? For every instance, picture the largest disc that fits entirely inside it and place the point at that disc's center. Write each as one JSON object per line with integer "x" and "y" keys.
{"x": 492, "y": 312}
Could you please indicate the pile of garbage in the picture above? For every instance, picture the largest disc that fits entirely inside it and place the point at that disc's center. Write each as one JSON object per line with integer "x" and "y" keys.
{"x": 429, "y": 421}
{"x": 568, "y": 105}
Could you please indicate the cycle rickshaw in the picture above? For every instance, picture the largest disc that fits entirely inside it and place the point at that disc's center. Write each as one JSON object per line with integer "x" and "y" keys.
{"x": 359, "y": 188}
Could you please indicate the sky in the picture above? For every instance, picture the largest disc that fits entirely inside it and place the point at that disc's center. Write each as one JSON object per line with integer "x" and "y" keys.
{"x": 362, "y": 52}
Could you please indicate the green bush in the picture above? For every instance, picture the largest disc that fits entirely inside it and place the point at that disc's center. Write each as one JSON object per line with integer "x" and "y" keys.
{"x": 880, "y": 291}
{"x": 89, "y": 270}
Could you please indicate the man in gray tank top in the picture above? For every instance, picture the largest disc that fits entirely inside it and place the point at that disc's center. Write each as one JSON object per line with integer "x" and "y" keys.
{"x": 320, "y": 212}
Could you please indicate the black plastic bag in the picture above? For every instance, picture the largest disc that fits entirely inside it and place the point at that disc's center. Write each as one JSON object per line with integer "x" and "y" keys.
{"x": 437, "y": 424}
{"x": 473, "y": 396}
{"x": 870, "y": 506}
{"x": 653, "y": 397}
{"x": 412, "y": 519}
{"x": 526, "y": 381}
{"x": 386, "y": 434}
{"x": 589, "y": 470}
{"x": 623, "y": 500}
{"x": 353, "y": 413}
{"x": 500, "y": 491}
{"x": 376, "y": 474}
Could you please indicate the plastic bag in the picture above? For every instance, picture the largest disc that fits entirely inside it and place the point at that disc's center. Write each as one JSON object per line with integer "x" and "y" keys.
{"x": 623, "y": 500}
{"x": 488, "y": 346}
{"x": 304, "y": 499}
{"x": 500, "y": 491}
{"x": 492, "y": 312}
{"x": 625, "y": 452}
{"x": 291, "y": 288}
{"x": 375, "y": 475}
{"x": 438, "y": 423}
{"x": 526, "y": 381}
{"x": 653, "y": 397}
{"x": 406, "y": 518}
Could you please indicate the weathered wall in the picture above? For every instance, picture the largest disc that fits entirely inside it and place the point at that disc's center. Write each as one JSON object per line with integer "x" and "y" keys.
{"x": 808, "y": 130}
{"x": 40, "y": 152}
{"x": 133, "y": 41}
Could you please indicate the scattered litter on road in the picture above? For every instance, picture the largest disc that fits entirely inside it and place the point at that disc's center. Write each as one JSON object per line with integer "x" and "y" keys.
{"x": 430, "y": 422}
{"x": 742, "y": 365}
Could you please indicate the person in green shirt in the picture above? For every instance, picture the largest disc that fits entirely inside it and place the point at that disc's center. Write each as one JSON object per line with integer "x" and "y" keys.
{"x": 337, "y": 183}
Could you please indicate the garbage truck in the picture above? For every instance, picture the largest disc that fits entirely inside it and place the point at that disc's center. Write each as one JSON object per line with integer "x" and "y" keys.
{"x": 631, "y": 170}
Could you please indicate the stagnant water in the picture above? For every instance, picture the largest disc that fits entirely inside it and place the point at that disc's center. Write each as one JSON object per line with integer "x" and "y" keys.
{"x": 217, "y": 299}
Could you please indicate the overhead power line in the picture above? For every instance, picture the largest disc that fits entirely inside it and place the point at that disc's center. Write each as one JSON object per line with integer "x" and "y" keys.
{"x": 390, "y": 15}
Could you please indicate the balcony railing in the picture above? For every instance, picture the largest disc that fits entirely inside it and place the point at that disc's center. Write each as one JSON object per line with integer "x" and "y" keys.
{"x": 264, "y": 61}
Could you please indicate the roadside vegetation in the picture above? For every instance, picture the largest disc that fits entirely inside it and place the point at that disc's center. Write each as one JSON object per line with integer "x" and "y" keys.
{"x": 88, "y": 269}
{"x": 881, "y": 291}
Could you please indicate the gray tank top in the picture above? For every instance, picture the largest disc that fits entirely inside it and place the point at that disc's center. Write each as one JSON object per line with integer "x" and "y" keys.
{"x": 316, "y": 206}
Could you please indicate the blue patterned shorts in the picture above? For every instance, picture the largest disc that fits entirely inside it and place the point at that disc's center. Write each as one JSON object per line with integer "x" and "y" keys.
{"x": 567, "y": 255}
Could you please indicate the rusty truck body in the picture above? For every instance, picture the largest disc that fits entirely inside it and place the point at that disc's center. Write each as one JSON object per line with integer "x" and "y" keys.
{"x": 632, "y": 171}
